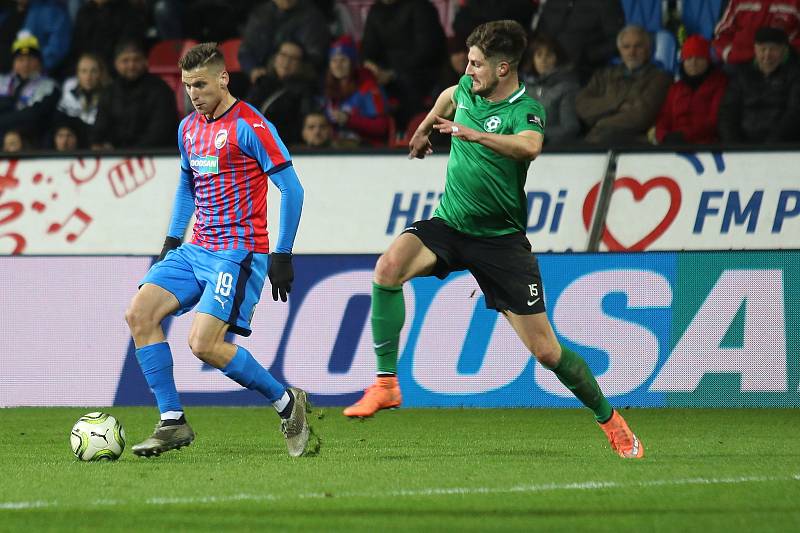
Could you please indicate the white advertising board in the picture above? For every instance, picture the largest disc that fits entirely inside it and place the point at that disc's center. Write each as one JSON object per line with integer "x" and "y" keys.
{"x": 705, "y": 201}
{"x": 353, "y": 204}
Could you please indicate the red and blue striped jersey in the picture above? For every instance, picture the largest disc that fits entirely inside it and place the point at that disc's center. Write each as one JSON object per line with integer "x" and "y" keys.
{"x": 227, "y": 161}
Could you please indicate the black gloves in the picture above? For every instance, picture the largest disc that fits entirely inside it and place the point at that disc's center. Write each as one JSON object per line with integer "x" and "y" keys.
{"x": 281, "y": 275}
{"x": 170, "y": 243}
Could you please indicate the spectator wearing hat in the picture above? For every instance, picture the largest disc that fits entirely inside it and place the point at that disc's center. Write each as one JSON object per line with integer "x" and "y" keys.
{"x": 138, "y": 109}
{"x": 734, "y": 35}
{"x": 47, "y": 20}
{"x": 286, "y": 91}
{"x": 762, "y": 100}
{"x": 354, "y": 103}
{"x": 689, "y": 114}
{"x": 27, "y": 96}
{"x": 621, "y": 102}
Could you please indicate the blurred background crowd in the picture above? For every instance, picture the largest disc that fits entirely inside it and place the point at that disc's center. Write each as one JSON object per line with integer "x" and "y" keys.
{"x": 102, "y": 74}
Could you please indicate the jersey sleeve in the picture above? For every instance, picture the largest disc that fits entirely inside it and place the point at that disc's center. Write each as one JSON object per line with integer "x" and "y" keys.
{"x": 530, "y": 117}
{"x": 259, "y": 140}
{"x": 183, "y": 205}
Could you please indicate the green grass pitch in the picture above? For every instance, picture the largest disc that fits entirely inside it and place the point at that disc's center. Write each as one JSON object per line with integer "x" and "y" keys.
{"x": 411, "y": 470}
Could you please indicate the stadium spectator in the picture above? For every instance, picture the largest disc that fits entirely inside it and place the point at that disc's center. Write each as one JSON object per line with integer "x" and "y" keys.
{"x": 101, "y": 24}
{"x": 65, "y": 139}
{"x": 318, "y": 134}
{"x": 473, "y": 13}
{"x": 14, "y": 141}
{"x": 621, "y": 102}
{"x": 138, "y": 109}
{"x": 762, "y": 101}
{"x": 27, "y": 96}
{"x": 586, "y": 29}
{"x": 354, "y": 103}
{"x": 286, "y": 91}
{"x": 276, "y": 21}
{"x": 340, "y": 20}
{"x": 735, "y": 33}
{"x": 454, "y": 68}
{"x": 317, "y": 131}
{"x": 80, "y": 94}
{"x": 554, "y": 83}
{"x": 48, "y": 20}
{"x": 202, "y": 20}
{"x": 689, "y": 113}
{"x": 404, "y": 46}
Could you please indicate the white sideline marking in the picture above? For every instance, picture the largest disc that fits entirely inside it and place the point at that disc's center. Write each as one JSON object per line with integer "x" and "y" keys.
{"x": 546, "y": 487}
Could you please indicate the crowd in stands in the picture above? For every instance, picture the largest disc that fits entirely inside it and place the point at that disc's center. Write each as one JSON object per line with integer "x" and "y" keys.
{"x": 84, "y": 74}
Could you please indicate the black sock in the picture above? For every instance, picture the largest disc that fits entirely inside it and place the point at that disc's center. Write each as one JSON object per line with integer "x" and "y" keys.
{"x": 173, "y": 422}
{"x": 287, "y": 411}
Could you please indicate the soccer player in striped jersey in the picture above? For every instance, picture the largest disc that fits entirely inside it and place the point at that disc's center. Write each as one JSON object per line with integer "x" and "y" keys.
{"x": 228, "y": 152}
{"x": 496, "y": 130}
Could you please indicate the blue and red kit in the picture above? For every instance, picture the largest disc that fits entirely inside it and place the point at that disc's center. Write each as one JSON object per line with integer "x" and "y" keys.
{"x": 225, "y": 165}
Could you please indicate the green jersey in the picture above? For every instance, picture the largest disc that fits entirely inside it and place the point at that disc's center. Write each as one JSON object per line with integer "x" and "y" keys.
{"x": 484, "y": 194}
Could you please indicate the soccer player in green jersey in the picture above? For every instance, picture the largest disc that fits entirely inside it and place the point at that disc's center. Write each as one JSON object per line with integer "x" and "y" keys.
{"x": 497, "y": 130}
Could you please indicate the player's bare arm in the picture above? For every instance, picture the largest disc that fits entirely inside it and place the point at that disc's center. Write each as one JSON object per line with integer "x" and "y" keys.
{"x": 420, "y": 145}
{"x": 523, "y": 146}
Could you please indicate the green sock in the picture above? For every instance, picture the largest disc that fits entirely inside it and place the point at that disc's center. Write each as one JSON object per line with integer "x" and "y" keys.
{"x": 388, "y": 315}
{"x": 574, "y": 373}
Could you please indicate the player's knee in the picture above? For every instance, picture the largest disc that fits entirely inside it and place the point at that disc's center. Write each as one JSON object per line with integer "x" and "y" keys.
{"x": 138, "y": 319}
{"x": 388, "y": 271}
{"x": 548, "y": 354}
{"x": 201, "y": 347}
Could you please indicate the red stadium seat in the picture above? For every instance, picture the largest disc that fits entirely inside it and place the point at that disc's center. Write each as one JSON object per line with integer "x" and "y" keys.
{"x": 163, "y": 57}
{"x": 230, "y": 51}
{"x": 413, "y": 124}
{"x": 163, "y": 62}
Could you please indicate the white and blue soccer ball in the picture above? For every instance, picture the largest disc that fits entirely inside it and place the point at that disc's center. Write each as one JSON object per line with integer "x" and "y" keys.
{"x": 97, "y": 437}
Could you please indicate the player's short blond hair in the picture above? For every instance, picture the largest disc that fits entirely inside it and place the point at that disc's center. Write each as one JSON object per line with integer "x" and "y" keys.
{"x": 202, "y": 55}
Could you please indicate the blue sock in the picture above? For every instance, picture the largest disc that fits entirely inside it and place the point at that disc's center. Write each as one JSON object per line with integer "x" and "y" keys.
{"x": 247, "y": 372}
{"x": 155, "y": 361}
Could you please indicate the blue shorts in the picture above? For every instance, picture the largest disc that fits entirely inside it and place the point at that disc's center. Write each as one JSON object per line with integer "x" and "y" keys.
{"x": 227, "y": 283}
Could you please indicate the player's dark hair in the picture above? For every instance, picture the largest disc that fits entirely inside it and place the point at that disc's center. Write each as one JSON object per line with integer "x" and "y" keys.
{"x": 500, "y": 39}
{"x": 202, "y": 55}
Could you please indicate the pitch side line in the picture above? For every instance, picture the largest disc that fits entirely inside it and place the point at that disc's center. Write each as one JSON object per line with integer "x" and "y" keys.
{"x": 546, "y": 487}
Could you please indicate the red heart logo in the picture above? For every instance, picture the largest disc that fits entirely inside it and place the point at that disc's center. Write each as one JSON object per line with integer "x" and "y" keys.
{"x": 639, "y": 191}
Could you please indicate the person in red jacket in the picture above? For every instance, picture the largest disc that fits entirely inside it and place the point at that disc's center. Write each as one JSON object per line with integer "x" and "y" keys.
{"x": 354, "y": 102}
{"x": 735, "y": 33}
{"x": 689, "y": 112}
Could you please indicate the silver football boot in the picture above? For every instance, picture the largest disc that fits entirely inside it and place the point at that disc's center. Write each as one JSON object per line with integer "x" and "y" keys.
{"x": 164, "y": 438}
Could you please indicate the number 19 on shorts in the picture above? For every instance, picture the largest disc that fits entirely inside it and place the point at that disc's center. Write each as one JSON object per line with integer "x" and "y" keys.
{"x": 224, "y": 284}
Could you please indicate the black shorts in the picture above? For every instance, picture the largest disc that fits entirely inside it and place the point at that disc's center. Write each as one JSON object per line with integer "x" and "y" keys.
{"x": 505, "y": 268}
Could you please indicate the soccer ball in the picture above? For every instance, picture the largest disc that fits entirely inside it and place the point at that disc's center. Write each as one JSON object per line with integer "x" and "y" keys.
{"x": 97, "y": 437}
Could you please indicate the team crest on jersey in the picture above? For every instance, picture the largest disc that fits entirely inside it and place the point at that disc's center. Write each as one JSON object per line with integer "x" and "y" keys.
{"x": 204, "y": 164}
{"x": 221, "y": 138}
{"x": 492, "y": 123}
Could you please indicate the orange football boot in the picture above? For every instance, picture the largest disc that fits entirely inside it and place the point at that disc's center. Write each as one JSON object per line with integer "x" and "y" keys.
{"x": 622, "y": 439}
{"x": 383, "y": 394}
